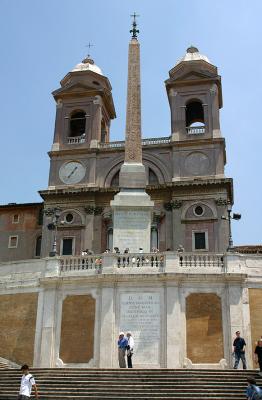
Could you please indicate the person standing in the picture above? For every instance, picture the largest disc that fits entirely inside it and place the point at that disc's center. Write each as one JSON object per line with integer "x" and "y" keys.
{"x": 253, "y": 392}
{"x": 122, "y": 345}
{"x": 258, "y": 355}
{"x": 27, "y": 383}
{"x": 239, "y": 345}
{"x": 130, "y": 349}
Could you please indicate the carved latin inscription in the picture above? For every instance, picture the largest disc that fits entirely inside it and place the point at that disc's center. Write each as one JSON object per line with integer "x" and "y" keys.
{"x": 140, "y": 314}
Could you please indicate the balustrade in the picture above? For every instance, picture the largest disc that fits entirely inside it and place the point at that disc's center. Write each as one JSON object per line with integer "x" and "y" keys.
{"x": 145, "y": 142}
{"x": 201, "y": 260}
{"x": 76, "y": 140}
{"x": 184, "y": 261}
{"x": 195, "y": 130}
{"x": 81, "y": 263}
{"x": 140, "y": 260}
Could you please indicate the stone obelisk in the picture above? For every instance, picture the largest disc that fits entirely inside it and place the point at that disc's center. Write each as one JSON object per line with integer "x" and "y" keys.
{"x": 132, "y": 207}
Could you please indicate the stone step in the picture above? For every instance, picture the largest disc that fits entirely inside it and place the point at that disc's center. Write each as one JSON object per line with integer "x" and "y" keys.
{"x": 129, "y": 396}
{"x": 133, "y": 380}
{"x": 120, "y": 397}
{"x": 78, "y": 384}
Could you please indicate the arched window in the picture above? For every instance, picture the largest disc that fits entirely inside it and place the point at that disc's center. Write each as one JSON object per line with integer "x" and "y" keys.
{"x": 38, "y": 246}
{"x": 195, "y": 122}
{"x": 77, "y": 123}
{"x": 152, "y": 178}
{"x": 115, "y": 180}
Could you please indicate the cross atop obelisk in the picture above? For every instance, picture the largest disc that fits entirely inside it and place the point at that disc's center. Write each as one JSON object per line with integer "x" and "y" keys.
{"x": 133, "y": 147}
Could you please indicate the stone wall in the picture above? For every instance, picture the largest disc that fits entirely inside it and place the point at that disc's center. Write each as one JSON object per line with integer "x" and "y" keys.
{"x": 18, "y": 321}
{"x": 77, "y": 330}
{"x": 255, "y": 304}
{"x": 204, "y": 331}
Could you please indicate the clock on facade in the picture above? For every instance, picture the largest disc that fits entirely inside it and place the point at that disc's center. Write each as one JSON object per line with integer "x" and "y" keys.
{"x": 72, "y": 172}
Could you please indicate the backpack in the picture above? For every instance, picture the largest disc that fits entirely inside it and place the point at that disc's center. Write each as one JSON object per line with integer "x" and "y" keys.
{"x": 257, "y": 393}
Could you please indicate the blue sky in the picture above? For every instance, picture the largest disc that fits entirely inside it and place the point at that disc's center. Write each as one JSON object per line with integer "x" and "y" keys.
{"x": 41, "y": 41}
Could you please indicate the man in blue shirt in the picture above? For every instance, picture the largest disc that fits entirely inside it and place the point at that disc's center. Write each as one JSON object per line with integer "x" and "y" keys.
{"x": 239, "y": 350}
{"x": 253, "y": 392}
{"x": 122, "y": 345}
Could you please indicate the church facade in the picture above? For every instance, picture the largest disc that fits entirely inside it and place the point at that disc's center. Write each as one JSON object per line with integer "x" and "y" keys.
{"x": 184, "y": 301}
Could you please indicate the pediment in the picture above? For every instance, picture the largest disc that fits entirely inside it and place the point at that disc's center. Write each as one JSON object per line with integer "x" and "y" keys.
{"x": 71, "y": 88}
{"x": 193, "y": 71}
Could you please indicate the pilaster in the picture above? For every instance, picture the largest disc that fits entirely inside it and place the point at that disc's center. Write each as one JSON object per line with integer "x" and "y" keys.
{"x": 108, "y": 356}
{"x": 173, "y": 348}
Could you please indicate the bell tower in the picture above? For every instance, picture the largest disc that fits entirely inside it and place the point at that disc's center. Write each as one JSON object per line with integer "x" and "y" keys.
{"x": 195, "y": 97}
{"x": 202, "y": 192}
{"x": 84, "y": 110}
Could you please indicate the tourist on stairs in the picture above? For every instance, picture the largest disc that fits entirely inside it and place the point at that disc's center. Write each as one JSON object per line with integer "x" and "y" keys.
{"x": 27, "y": 383}
{"x": 239, "y": 350}
{"x": 122, "y": 345}
{"x": 258, "y": 355}
{"x": 253, "y": 392}
{"x": 130, "y": 349}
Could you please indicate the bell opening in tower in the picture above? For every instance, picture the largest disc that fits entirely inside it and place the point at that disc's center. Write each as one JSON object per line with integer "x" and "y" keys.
{"x": 77, "y": 124}
{"x": 195, "y": 120}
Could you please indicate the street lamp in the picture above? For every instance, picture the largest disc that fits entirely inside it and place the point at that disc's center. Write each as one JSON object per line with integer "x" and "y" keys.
{"x": 52, "y": 226}
{"x": 229, "y": 217}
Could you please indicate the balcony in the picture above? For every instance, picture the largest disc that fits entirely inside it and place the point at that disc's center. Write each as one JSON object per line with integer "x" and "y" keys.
{"x": 195, "y": 130}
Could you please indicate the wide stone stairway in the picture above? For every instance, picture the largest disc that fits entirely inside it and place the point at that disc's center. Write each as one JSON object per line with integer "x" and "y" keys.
{"x": 76, "y": 384}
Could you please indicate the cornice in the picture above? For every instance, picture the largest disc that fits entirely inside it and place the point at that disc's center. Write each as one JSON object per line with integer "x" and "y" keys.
{"x": 200, "y": 183}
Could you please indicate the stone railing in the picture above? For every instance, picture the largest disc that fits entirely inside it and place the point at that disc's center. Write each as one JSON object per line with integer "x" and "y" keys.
{"x": 145, "y": 142}
{"x": 140, "y": 260}
{"x": 160, "y": 140}
{"x": 81, "y": 263}
{"x": 195, "y": 130}
{"x": 195, "y": 260}
{"x": 76, "y": 140}
{"x": 169, "y": 262}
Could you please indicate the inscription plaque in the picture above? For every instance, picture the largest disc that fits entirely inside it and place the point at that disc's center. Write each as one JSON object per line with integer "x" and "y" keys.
{"x": 140, "y": 314}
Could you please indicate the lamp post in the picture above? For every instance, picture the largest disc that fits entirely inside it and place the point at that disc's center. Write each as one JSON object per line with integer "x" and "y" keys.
{"x": 229, "y": 217}
{"x": 52, "y": 226}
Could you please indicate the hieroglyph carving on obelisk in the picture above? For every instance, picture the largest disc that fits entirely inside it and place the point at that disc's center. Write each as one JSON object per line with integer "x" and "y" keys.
{"x": 133, "y": 148}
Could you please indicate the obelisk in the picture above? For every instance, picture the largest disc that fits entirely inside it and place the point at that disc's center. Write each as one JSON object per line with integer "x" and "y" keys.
{"x": 132, "y": 207}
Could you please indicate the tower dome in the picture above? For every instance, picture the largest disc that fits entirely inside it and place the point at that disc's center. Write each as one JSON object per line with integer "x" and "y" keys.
{"x": 87, "y": 65}
{"x": 192, "y": 54}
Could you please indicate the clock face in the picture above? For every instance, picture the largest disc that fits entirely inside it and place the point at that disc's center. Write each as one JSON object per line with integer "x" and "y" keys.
{"x": 72, "y": 172}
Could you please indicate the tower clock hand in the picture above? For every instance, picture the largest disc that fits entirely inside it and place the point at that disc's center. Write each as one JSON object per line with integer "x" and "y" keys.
{"x": 71, "y": 173}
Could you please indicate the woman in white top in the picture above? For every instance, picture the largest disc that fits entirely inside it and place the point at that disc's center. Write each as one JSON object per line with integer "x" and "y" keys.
{"x": 130, "y": 349}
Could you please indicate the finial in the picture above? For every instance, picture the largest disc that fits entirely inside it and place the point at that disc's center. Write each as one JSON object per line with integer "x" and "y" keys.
{"x": 134, "y": 31}
{"x": 88, "y": 58}
{"x": 192, "y": 49}
{"x": 89, "y": 45}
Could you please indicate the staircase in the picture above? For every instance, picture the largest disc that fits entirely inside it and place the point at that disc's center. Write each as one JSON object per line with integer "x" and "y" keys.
{"x": 120, "y": 384}
{"x": 3, "y": 365}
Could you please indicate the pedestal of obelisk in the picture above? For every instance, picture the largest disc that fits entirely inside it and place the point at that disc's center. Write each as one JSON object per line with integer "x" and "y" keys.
{"x": 132, "y": 207}
{"x": 132, "y": 215}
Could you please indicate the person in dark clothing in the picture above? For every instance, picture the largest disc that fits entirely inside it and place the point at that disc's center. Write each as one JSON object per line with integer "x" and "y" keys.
{"x": 258, "y": 355}
{"x": 239, "y": 350}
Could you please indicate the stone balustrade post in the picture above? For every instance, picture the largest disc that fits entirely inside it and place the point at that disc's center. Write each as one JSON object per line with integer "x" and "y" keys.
{"x": 52, "y": 269}
{"x": 172, "y": 261}
{"x": 109, "y": 261}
